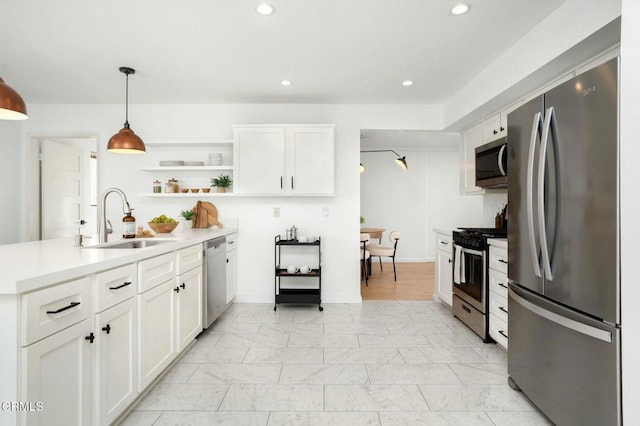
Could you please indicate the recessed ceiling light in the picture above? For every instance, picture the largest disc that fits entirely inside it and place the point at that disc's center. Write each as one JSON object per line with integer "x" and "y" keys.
{"x": 265, "y": 9}
{"x": 407, "y": 83}
{"x": 459, "y": 9}
{"x": 285, "y": 83}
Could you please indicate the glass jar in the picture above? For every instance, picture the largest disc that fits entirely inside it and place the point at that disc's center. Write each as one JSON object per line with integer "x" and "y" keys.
{"x": 171, "y": 186}
{"x": 157, "y": 187}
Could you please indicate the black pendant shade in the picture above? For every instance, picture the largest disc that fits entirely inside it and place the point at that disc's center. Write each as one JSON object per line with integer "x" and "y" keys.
{"x": 401, "y": 161}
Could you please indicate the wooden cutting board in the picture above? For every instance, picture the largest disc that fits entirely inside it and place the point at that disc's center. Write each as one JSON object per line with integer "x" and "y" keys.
{"x": 206, "y": 215}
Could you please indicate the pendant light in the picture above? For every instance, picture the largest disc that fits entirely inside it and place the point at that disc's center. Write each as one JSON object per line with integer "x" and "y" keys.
{"x": 400, "y": 161}
{"x": 126, "y": 141}
{"x": 12, "y": 106}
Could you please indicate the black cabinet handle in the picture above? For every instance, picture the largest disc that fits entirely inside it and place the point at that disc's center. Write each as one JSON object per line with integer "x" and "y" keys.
{"x": 503, "y": 285}
{"x": 281, "y": 182}
{"x": 502, "y": 261}
{"x": 227, "y": 260}
{"x": 183, "y": 286}
{"x": 126, "y": 283}
{"x": 502, "y": 332}
{"x": 503, "y": 309}
{"x": 71, "y": 305}
{"x": 444, "y": 243}
{"x": 291, "y": 182}
{"x": 501, "y": 129}
{"x": 107, "y": 328}
{"x": 495, "y": 132}
{"x": 90, "y": 337}
{"x": 450, "y": 260}
{"x": 177, "y": 289}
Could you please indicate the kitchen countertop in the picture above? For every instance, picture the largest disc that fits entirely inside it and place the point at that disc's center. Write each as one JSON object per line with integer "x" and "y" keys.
{"x": 38, "y": 264}
{"x": 497, "y": 242}
{"x": 444, "y": 231}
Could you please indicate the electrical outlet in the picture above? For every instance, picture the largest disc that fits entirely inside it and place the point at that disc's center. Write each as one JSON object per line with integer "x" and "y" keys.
{"x": 276, "y": 212}
{"x": 325, "y": 212}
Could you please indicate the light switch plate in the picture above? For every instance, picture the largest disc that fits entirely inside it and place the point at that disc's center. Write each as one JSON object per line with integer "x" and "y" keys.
{"x": 325, "y": 212}
{"x": 276, "y": 212}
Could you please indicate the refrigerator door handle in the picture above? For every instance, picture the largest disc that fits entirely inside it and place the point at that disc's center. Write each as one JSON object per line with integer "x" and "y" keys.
{"x": 535, "y": 130}
{"x": 500, "y": 159}
{"x": 549, "y": 120}
{"x": 579, "y": 327}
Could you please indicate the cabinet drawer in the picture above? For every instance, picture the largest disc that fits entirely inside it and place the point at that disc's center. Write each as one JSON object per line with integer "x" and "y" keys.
{"x": 232, "y": 242}
{"x": 498, "y": 259}
{"x": 498, "y": 306}
{"x": 189, "y": 258}
{"x": 443, "y": 242}
{"x": 115, "y": 286}
{"x": 155, "y": 271}
{"x": 498, "y": 282}
{"x": 52, "y": 309}
{"x": 498, "y": 331}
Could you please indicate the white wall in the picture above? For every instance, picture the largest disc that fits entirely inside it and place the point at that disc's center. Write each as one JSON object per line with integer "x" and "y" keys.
{"x": 10, "y": 173}
{"x": 630, "y": 209}
{"x": 255, "y": 214}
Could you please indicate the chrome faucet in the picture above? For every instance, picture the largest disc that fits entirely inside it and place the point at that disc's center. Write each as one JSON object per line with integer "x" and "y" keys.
{"x": 103, "y": 229}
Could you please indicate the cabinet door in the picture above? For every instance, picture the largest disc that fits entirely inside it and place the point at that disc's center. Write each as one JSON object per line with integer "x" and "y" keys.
{"x": 188, "y": 307}
{"x": 445, "y": 277}
{"x": 57, "y": 372}
{"x": 472, "y": 139}
{"x": 155, "y": 332}
{"x": 259, "y": 155}
{"x": 231, "y": 275}
{"x": 310, "y": 160}
{"x": 116, "y": 338}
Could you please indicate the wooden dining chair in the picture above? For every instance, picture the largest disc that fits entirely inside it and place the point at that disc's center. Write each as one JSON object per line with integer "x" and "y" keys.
{"x": 380, "y": 251}
{"x": 364, "y": 257}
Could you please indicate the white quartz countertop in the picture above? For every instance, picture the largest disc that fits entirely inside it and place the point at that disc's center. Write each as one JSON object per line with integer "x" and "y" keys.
{"x": 497, "y": 242}
{"x": 37, "y": 264}
{"x": 448, "y": 231}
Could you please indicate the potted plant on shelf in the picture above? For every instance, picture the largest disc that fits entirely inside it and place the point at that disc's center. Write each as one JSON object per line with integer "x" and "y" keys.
{"x": 187, "y": 215}
{"x": 222, "y": 182}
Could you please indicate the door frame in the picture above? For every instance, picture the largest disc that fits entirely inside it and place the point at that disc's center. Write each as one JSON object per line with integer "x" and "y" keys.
{"x": 32, "y": 178}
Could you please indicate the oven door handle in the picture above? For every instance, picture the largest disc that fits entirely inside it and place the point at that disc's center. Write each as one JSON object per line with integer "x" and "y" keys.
{"x": 469, "y": 251}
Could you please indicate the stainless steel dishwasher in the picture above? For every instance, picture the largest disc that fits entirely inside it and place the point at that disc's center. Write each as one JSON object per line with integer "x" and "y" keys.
{"x": 215, "y": 286}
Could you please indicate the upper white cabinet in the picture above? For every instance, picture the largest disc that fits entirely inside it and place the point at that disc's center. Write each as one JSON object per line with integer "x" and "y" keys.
{"x": 473, "y": 138}
{"x": 495, "y": 127}
{"x": 284, "y": 160}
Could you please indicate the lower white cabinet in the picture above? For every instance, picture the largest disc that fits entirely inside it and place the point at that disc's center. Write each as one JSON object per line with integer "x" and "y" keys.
{"x": 116, "y": 361}
{"x": 498, "y": 300}
{"x": 188, "y": 303}
{"x": 57, "y": 372}
{"x": 444, "y": 268}
{"x": 231, "y": 268}
{"x": 156, "y": 332}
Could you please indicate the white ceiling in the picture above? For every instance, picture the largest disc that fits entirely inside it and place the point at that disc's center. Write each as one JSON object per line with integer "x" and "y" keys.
{"x": 222, "y": 51}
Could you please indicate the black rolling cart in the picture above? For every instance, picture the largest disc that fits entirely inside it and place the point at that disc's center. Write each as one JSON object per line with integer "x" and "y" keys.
{"x": 296, "y": 295}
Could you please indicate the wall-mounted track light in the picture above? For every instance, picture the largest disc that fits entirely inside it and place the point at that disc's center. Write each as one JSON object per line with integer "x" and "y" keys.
{"x": 401, "y": 161}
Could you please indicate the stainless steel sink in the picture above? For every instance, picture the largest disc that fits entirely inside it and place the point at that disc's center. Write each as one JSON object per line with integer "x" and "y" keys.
{"x": 130, "y": 244}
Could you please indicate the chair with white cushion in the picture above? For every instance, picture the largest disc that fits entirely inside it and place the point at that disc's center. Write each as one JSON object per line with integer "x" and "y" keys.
{"x": 364, "y": 257}
{"x": 380, "y": 251}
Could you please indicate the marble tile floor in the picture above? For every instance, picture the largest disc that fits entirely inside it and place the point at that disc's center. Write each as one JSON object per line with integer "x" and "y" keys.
{"x": 378, "y": 363}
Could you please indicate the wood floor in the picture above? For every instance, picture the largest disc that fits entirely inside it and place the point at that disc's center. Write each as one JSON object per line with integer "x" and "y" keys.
{"x": 415, "y": 282}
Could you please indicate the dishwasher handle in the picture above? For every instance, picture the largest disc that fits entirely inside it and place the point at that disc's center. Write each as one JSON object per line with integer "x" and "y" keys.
{"x": 215, "y": 242}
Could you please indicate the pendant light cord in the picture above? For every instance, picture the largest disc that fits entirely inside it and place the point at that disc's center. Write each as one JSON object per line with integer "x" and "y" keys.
{"x": 126, "y": 108}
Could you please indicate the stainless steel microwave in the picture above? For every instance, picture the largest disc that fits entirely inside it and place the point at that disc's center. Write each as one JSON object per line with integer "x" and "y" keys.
{"x": 491, "y": 164}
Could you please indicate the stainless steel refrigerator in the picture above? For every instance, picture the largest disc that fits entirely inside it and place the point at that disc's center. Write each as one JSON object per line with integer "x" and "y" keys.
{"x": 564, "y": 276}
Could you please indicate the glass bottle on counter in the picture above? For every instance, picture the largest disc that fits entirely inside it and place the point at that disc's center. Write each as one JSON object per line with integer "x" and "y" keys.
{"x": 128, "y": 226}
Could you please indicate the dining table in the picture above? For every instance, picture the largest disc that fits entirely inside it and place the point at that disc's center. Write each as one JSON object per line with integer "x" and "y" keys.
{"x": 374, "y": 233}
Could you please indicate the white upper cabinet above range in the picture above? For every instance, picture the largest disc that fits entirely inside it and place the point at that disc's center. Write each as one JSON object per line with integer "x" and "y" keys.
{"x": 284, "y": 159}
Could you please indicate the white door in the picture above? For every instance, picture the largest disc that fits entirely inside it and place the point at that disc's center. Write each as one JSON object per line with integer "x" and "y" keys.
{"x": 61, "y": 188}
{"x": 310, "y": 160}
{"x": 116, "y": 361}
{"x": 57, "y": 373}
{"x": 189, "y": 307}
{"x": 260, "y": 158}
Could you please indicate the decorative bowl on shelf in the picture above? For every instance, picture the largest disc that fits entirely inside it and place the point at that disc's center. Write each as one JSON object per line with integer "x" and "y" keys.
{"x": 163, "y": 228}
{"x": 206, "y": 189}
{"x": 194, "y": 190}
{"x": 184, "y": 190}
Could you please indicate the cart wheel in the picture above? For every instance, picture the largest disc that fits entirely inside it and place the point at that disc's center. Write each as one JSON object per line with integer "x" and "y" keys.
{"x": 320, "y": 308}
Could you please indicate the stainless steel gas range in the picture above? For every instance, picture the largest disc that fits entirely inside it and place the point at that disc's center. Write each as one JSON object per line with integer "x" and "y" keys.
{"x": 470, "y": 282}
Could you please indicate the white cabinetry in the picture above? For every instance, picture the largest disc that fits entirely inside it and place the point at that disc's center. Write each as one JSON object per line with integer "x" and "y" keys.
{"x": 498, "y": 285}
{"x": 473, "y": 138}
{"x": 279, "y": 159}
{"x": 231, "y": 267}
{"x": 116, "y": 339}
{"x": 495, "y": 127}
{"x": 57, "y": 354}
{"x": 188, "y": 296}
{"x": 444, "y": 268}
{"x": 156, "y": 316}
